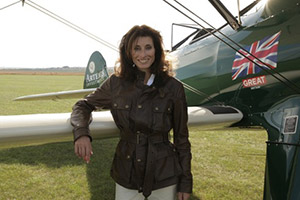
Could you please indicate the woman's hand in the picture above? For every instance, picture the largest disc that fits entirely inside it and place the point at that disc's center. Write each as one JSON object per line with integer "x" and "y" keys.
{"x": 183, "y": 196}
{"x": 83, "y": 148}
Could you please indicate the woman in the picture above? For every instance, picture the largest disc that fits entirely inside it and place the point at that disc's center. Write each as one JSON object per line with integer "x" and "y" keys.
{"x": 146, "y": 102}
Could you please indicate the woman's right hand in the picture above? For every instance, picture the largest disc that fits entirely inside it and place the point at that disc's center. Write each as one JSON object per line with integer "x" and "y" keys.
{"x": 83, "y": 148}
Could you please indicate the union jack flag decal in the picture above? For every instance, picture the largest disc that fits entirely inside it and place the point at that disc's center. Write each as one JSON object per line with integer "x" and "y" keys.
{"x": 265, "y": 50}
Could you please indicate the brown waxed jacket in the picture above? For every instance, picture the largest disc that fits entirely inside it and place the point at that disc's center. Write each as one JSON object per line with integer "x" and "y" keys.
{"x": 145, "y": 159}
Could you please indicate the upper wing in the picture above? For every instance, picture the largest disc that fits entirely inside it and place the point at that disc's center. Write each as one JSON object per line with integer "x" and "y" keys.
{"x": 57, "y": 95}
{"x": 46, "y": 128}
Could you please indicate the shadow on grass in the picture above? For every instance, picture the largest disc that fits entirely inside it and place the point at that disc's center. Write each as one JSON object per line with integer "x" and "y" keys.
{"x": 57, "y": 155}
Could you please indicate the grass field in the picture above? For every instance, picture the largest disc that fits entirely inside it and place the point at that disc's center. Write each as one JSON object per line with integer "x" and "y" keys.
{"x": 227, "y": 164}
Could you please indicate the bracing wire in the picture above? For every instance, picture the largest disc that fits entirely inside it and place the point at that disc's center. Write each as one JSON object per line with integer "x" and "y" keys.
{"x": 198, "y": 92}
{"x": 71, "y": 25}
{"x": 9, "y": 5}
{"x": 295, "y": 88}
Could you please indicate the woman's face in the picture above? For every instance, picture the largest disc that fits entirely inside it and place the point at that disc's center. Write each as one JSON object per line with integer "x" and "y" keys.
{"x": 143, "y": 53}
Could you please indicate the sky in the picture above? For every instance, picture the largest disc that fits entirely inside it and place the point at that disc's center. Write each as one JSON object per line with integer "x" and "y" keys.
{"x": 32, "y": 39}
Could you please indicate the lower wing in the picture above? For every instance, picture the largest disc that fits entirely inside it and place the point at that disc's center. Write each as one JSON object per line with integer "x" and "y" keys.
{"x": 71, "y": 94}
{"x": 47, "y": 128}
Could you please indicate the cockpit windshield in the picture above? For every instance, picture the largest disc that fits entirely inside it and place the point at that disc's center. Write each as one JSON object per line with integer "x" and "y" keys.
{"x": 230, "y": 14}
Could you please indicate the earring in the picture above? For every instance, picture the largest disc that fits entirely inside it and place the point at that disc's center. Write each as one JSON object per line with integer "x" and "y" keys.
{"x": 133, "y": 65}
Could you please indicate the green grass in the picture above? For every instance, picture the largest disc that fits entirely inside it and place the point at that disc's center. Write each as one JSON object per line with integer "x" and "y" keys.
{"x": 13, "y": 86}
{"x": 227, "y": 164}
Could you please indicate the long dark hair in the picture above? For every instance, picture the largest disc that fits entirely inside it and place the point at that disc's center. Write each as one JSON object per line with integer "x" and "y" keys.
{"x": 161, "y": 67}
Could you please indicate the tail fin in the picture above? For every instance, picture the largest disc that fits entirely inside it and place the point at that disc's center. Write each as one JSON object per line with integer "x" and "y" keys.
{"x": 96, "y": 71}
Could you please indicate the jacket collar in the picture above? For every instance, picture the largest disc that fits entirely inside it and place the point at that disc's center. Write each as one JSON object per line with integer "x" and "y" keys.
{"x": 151, "y": 80}
{"x": 158, "y": 82}
{"x": 140, "y": 77}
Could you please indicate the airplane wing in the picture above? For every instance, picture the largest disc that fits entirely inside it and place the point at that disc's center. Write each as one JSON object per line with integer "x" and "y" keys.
{"x": 219, "y": 116}
{"x": 71, "y": 94}
{"x": 47, "y": 128}
{"x": 95, "y": 74}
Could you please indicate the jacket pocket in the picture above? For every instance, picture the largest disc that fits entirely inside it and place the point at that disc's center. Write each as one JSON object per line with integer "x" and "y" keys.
{"x": 121, "y": 108}
{"x": 167, "y": 164}
{"x": 121, "y": 103}
{"x": 162, "y": 116}
{"x": 122, "y": 165}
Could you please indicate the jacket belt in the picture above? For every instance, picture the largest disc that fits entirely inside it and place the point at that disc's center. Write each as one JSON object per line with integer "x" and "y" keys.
{"x": 149, "y": 176}
{"x": 138, "y": 138}
{"x": 151, "y": 140}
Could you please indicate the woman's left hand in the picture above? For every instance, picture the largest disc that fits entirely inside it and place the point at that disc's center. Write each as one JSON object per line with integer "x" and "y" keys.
{"x": 183, "y": 196}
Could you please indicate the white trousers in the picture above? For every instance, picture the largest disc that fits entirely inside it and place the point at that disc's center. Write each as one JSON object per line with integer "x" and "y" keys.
{"x": 166, "y": 193}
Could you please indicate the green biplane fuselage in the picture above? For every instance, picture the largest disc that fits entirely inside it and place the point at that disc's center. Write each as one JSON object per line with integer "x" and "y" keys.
{"x": 267, "y": 98}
